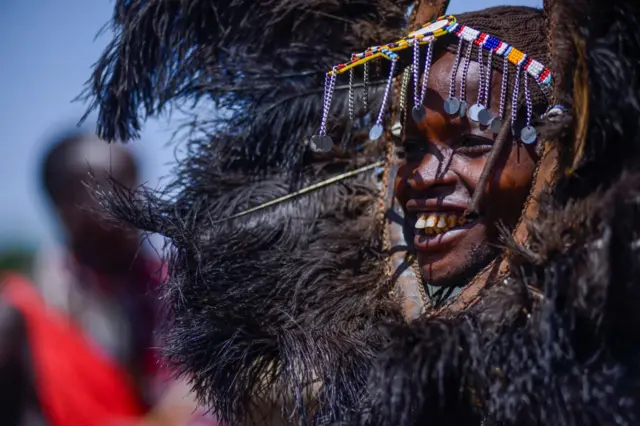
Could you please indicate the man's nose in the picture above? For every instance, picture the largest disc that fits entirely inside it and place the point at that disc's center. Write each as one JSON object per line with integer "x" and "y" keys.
{"x": 434, "y": 169}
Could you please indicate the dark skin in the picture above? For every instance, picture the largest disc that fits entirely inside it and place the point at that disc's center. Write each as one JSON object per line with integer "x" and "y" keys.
{"x": 94, "y": 241}
{"x": 444, "y": 157}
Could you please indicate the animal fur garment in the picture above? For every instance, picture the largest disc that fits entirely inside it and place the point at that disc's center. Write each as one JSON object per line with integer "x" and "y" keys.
{"x": 290, "y": 308}
{"x": 554, "y": 343}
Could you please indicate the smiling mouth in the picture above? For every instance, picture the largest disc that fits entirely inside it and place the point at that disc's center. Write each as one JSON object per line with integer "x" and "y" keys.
{"x": 434, "y": 230}
{"x": 436, "y": 223}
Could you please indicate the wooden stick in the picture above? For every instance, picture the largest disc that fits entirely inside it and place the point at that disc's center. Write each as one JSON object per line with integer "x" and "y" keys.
{"x": 487, "y": 171}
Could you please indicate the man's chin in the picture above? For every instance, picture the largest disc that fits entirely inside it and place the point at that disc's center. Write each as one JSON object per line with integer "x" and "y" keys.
{"x": 455, "y": 271}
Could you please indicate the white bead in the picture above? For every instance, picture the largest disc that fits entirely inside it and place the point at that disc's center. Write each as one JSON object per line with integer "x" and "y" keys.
{"x": 469, "y": 34}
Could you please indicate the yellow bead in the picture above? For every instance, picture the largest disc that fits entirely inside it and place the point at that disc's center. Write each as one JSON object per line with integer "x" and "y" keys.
{"x": 515, "y": 56}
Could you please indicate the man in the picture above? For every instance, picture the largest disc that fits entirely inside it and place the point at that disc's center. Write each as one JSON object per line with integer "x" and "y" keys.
{"x": 81, "y": 343}
{"x": 99, "y": 276}
{"x": 286, "y": 300}
{"x": 444, "y": 155}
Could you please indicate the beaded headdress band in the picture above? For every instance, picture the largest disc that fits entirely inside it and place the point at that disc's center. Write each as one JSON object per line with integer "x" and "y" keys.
{"x": 455, "y": 104}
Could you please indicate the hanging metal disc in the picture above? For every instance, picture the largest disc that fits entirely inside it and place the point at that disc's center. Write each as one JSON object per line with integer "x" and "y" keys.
{"x": 463, "y": 109}
{"x": 496, "y": 124}
{"x": 528, "y": 135}
{"x": 485, "y": 116}
{"x": 474, "y": 111}
{"x": 321, "y": 143}
{"x": 419, "y": 113}
{"x": 452, "y": 106}
{"x": 375, "y": 132}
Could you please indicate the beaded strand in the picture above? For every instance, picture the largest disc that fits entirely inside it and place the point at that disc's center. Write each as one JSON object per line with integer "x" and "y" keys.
{"x": 463, "y": 82}
{"x": 365, "y": 83}
{"x": 454, "y": 72}
{"x": 351, "y": 96}
{"x": 377, "y": 130}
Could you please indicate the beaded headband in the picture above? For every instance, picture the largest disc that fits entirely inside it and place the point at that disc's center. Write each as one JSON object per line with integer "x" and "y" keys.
{"x": 478, "y": 112}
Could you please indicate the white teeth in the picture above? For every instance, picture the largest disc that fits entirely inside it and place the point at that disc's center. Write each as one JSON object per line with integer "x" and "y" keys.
{"x": 438, "y": 222}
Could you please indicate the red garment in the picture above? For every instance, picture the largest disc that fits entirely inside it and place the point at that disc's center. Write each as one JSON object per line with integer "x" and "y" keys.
{"x": 77, "y": 384}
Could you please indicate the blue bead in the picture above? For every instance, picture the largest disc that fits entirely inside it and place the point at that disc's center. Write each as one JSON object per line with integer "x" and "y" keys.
{"x": 491, "y": 43}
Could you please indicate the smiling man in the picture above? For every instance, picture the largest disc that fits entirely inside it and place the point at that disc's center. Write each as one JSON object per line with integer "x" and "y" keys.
{"x": 444, "y": 154}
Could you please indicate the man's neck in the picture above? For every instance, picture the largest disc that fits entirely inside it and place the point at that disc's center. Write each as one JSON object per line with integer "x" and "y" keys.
{"x": 469, "y": 295}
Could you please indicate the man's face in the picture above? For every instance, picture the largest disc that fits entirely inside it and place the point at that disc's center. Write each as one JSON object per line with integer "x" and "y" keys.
{"x": 93, "y": 239}
{"x": 89, "y": 231}
{"x": 444, "y": 157}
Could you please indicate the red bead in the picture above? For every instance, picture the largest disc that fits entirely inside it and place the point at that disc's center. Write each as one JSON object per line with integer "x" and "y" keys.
{"x": 480, "y": 39}
{"x": 526, "y": 65}
{"x": 544, "y": 74}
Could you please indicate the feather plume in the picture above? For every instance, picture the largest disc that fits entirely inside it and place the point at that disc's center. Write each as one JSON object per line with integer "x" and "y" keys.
{"x": 260, "y": 62}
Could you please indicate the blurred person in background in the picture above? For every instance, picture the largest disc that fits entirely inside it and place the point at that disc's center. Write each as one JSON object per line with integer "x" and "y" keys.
{"x": 98, "y": 275}
{"x": 77, "y": 346}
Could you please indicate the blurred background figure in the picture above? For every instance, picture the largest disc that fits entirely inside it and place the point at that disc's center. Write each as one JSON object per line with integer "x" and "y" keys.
{"x": 98, "y": 275}
{"x": 50, "y": 48}
{"x": 78, "y": 343}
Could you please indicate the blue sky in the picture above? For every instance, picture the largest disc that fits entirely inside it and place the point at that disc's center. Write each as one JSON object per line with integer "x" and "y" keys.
{"x": 47, "y": 49}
